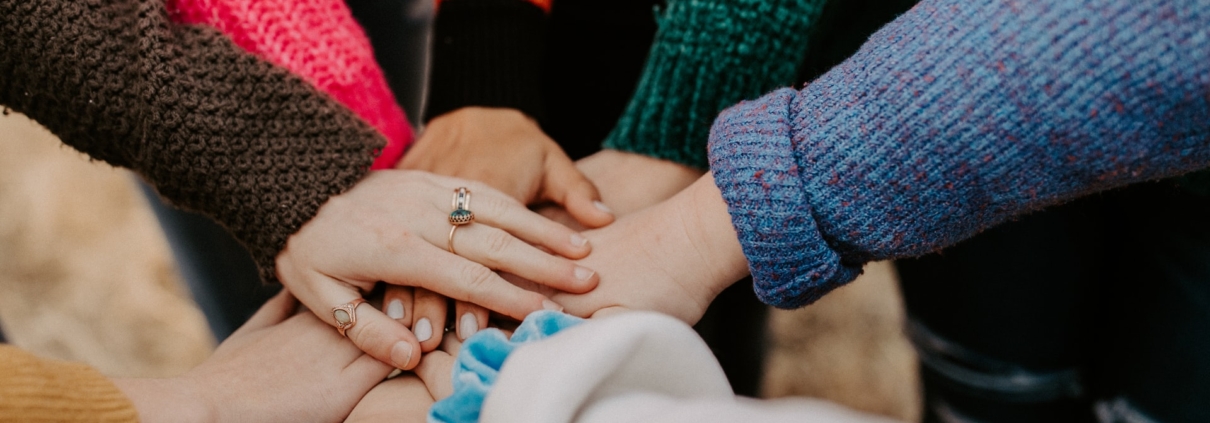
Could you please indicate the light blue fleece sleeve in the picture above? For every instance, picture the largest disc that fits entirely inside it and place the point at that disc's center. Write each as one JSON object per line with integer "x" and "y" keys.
{"x": 480, "y": 359}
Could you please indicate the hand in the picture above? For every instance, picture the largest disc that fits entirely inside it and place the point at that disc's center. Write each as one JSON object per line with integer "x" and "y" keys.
{"x": 408, "y": 397}
{"x": 508, "y": 151}
{"x": 630, "y": 182}
{"x": 275, "y": 368}
{"x": 393, "y": 227}
{"x": 674, "y": 257}
{"x": 402, "y": 399}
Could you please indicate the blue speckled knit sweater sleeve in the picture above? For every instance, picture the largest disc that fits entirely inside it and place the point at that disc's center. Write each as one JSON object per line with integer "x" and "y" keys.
{"x": 953, "y": 118}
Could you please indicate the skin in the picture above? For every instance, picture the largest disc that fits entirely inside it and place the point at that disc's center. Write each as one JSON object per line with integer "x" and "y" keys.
{"x": 242, "y": 380}
{"x": 407, "y": 398}
{"x": 674, "y": 257}
{"x": 628, "y": 182}
{"x": 392, "y": 227}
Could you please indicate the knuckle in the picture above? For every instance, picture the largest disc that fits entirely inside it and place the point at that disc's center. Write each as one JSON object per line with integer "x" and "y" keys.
{"x": 372, "y": 337}
{"x": 497, "y": 244}
{"x": 477, "y": 279}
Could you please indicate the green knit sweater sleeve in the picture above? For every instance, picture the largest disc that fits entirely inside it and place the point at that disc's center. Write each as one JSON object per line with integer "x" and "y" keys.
{"x": 707, "y": 55}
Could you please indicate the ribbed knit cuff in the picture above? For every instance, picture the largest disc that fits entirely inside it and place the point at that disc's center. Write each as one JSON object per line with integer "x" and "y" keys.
{"x": 754, "y": 165}
{"x": 709, "y": 55}
{"x": 34, "y": 389}
{"x": 487, "y": 53}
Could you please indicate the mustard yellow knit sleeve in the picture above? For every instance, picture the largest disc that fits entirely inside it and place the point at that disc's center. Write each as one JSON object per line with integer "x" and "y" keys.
{"x": 34, "y": 389}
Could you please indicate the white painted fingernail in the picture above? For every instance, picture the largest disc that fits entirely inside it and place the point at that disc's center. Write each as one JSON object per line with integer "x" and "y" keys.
{"x": 395, "y": 309}
{"x": 583, "y": 274}
{"x": 423, "y": 329}
{"x": 550, "y": 305}
{"x": 578, "y": 240}
{"x": 467, "y": 325}
{"x": 401, "y": 354}
{"x": 602, "y": 207}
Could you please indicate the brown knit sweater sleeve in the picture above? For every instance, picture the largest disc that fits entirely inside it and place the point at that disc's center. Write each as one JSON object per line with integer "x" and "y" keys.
{"x": 213, "y": 128}
{"x": 38, "y": 390}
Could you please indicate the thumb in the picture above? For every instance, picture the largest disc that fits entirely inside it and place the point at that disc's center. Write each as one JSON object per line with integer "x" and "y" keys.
{"x": 566, "y": 186}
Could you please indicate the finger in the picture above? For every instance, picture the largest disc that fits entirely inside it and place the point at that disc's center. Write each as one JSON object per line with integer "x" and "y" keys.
{"x": 274, "y": 311}
{"x": 461, "y": 279}
{"x": 497, "y": 210}
{"x": 397, "y": 304}
{"x": 435, "y": 371}
{"x": 471, "y": 318}
{"x": 559, "y": 215}
{"x": 428, "y": 318}
{"x": 403, "y": 399}
{"x": 451, "y": 345}
{"x": 609, "y": 311}
{"x": 373, "y": 332}
{"x": 499, "y": 250}
{"x": 365, "y": 368}
{"x": 565, "y": 185}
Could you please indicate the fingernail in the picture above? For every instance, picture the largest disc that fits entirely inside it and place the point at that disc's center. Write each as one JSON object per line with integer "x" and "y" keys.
{"x": 602, "y": 207}
{"x": 467, "y": 326}
{"x": 401, "y": 354}
{"x": 583, "y": 273}
{"x": 423, "y": 329}
{"x": 578, "y": 240}
{"x": 550, "y": 305}
{"x": 395, "y": 309}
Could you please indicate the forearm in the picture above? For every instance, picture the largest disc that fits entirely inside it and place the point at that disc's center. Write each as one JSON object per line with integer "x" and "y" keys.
{"x": 165, "y": 400}
{"x": 708, "y": 55}
{"x": 954, "y": 118}
{"x": 211, "y": 127}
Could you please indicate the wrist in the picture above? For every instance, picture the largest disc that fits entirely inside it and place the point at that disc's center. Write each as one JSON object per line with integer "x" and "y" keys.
{"x": 707, "y": 253}
{"x": 176, "y": 400}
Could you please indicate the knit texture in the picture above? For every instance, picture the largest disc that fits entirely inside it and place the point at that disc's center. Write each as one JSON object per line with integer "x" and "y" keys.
{"x": 487, "y": 53}
{"x": 38, "y": 390}
{"x": 319, "y": 41}
{"x": 953, "y": 118}
{"x": 707, "y": 55}
{"x": 213, "y": 128}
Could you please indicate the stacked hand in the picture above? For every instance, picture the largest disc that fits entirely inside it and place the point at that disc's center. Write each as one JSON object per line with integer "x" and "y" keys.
{"x": 393, "y": 227}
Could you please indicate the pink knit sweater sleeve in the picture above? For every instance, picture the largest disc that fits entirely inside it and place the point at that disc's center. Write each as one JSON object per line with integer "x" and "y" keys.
{"x": 317, "y": 40}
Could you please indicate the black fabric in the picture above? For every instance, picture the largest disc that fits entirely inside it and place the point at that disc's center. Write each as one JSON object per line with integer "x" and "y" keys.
{"x": 399, "y": 33}
{"x": 844, "y": 25}
{"x": 594, "y": 57}
{"x": 1116, "y": 286}
{"x": 487, "y": 53}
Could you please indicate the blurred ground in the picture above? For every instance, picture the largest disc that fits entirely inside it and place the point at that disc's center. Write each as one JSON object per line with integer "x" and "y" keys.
{"x": 86, "y": 275}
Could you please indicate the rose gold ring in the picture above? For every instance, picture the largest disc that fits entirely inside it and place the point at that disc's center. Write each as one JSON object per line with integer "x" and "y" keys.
{"x": 450, "y": 245}
{"x": 346, "y": 315}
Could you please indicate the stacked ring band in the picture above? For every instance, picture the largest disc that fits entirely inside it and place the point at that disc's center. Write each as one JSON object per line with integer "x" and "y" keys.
{"x": 462, "y": 215}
